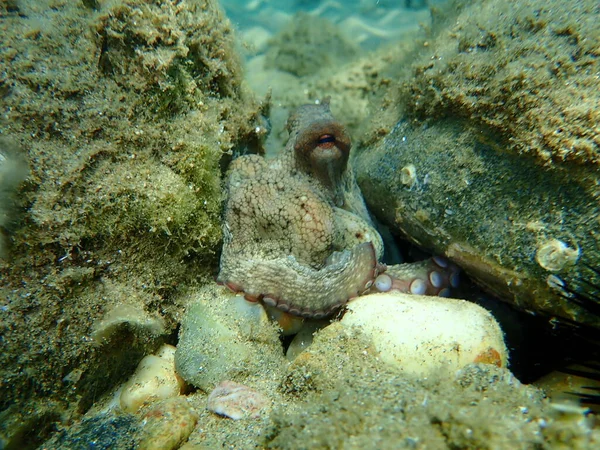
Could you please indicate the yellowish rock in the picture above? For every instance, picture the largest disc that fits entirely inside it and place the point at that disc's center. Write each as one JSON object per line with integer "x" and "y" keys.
{"x": 304, "y": 338}
{"x": 154, "y": 379}
{"x": 423, "y": 335}
{"x": 167, "y": 424}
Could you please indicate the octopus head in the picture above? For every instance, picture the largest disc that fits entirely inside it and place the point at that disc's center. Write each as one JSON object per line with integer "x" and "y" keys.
{"x": 322, "y": 145}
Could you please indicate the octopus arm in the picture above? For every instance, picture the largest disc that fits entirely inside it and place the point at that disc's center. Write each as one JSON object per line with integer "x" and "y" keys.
{"x": 301, "y": 290}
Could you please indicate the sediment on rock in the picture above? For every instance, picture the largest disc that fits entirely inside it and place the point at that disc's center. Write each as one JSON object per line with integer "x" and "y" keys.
{"x": 487, "y": 151}
{"x": 123, "y": 111}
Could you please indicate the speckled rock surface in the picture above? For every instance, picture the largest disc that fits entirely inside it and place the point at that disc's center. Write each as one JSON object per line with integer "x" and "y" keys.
{"x": 223, "y": 337}
{"x": 102, "y": 431}
{"x": 423, "y": 335}
{"x": 347, "y": 399}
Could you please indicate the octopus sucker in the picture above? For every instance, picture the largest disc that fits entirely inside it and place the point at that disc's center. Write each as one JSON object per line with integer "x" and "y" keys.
{"x": 270, "y": 301}
{"x": 433, "y": 276}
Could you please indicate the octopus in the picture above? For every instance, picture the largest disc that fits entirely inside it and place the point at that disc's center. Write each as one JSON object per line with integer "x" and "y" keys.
{"x": 297, "y": 233}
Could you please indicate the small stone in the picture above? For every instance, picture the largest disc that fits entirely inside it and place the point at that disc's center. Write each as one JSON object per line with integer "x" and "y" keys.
{"x": 236, "y": 401}
{"x": 555, "y": 255}
{"x": 167, "y": 424}
{"x": 154, "y": 379}
{"x": 304, "y": 338}
{"x": 135, "y": 318}
{"x": 408, "y": 175}
{"x": 102, "y": 431}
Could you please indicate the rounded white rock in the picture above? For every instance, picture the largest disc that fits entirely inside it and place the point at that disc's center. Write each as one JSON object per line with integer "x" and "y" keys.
{"x": 154, "y": 379}
{"x": 423, "y": 335}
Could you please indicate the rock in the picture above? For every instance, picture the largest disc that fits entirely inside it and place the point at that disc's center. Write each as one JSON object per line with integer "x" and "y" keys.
{"x": 570, "y": 385}
{"x": 355, "y": 401}
{"x": 129, "y": 317}
{"x": 255, "y": 39}
{"x": 103, "y": 432}
{"x": 307, "y": 44}
{"x": 154, "y": 379}
{"x": 236, "y": 401}
{"x": 167, "y": 424}
{"x": 304, "y": 338}
{"x": 163, "y": 425}
{"x": 132, "y": 218}
{"x": 23, "y": 425}
{"x": 423, "y": 335}
{"x": 224, "y": 337}
{"x": 491, "y": 162}
{"x": 13, "y": 171}
{"x": 122, "y": 337}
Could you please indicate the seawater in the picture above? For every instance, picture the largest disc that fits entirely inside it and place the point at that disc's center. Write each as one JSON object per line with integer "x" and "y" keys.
{"x": 369, "y": 23}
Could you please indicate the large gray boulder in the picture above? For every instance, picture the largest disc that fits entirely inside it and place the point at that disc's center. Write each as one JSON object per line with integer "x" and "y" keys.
{"x": 489, "y": 153}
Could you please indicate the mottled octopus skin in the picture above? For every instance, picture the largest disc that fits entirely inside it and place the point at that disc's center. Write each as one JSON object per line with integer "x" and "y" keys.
{"x": 278, "y": 282}
{"x": 297, "y": 233}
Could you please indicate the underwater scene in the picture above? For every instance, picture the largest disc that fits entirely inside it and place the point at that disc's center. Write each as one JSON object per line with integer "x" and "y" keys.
{"x": 370, "y": 224}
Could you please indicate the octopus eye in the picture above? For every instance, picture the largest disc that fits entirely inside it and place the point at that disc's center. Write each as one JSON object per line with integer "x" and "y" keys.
{"x": 326, "y": 141}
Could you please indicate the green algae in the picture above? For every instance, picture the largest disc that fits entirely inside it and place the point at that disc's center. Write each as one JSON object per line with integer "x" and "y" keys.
{"x": 525, "y": 71}
{"x": 125, "y": 111}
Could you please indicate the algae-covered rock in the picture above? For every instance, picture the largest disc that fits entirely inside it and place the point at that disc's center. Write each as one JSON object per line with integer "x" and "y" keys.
{"x": 526, "y": 71}
{"x": 347, "y": 398}
{"x": 103, "y": 431}
{"x": 124, "y": 110}
{"x": 13, "y": 171}
{"x": 489, "y": 151}
{"x": 224, "y": 337}
{"x": 163, "y": 425}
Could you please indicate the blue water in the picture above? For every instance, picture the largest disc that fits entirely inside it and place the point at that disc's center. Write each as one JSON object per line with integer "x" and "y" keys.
{"x": 369, "y": 22}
